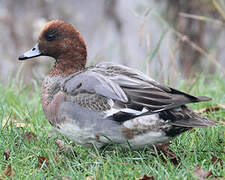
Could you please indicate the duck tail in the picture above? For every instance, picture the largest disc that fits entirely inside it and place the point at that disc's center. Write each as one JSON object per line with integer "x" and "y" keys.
{"x": 195, "y": 121}
{"x": 185, "y": 117}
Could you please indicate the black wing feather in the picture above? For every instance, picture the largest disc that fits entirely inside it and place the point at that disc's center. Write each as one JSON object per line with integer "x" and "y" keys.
{"x": 158, "y": 99}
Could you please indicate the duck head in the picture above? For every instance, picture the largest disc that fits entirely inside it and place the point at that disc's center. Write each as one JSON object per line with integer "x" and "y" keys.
{"x": 64, "y": 43}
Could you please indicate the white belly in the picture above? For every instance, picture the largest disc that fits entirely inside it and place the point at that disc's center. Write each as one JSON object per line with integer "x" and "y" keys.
{"x": 84, "y": 136}
{"x": 146, "y": 133}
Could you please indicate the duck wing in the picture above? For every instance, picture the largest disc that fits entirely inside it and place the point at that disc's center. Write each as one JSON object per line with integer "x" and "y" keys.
{"x": 93, "y": 83}
{"x": 144, "y": 92}
{"x": 127, "y": 87}
{"x": 122, "y": 94}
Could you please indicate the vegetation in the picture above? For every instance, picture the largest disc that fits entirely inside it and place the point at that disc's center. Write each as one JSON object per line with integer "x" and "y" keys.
{"x": 26, "y": 151}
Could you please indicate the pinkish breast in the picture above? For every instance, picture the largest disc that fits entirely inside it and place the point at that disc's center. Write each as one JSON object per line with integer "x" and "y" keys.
{"x": 51, "y": 97}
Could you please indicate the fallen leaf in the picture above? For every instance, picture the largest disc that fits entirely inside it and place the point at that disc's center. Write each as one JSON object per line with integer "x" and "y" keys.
{"x": 7, "y": 154}
{"x": 66, "y": 178}
{"x": 201, "y": 174}
{"x": 29, "y": 136}
{"x": 222, "y": 106}
{"x": 163, "y": 149}
{"x": 216, "y": 160}
{"x": 222, "y": 122}
{"x": 43, "y": 162}
{"x": 15, "y": 122}
{"x": 89, "y": 178}
{"x": 20, "y": 124}
{"x": 210, "y": 109}
{"x": 5, "y": 121}
{"x": 7, "y": 172}
{"x": 145, "y": 177}
{"x": 63, "y": 147}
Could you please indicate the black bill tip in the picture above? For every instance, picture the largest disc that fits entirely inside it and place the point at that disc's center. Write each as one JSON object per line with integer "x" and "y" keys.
{"x": 22, "y": 57}
{"x": 34, "y": 52}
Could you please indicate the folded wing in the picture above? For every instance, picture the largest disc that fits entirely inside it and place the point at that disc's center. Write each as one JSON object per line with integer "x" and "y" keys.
{"x": 142, "y": 91}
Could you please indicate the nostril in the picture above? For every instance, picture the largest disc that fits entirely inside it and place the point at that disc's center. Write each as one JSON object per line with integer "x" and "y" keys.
{"x": 33, "y": 49}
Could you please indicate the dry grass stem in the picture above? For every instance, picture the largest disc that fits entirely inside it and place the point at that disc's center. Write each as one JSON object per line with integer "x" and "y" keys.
{"x": 202, "y": 18}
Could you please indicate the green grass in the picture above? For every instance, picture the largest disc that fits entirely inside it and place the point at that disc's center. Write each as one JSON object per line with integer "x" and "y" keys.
{"x": 195, "y": 147}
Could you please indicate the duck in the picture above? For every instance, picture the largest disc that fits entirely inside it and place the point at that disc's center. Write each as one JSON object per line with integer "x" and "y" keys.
{"x": 107, "y": 104}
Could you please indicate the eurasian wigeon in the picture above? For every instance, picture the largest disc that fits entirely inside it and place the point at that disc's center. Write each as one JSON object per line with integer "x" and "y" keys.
{"x": 107, "y": 103}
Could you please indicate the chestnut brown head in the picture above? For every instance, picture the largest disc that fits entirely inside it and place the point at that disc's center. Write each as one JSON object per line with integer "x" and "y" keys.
{"x": 59, "y": 40}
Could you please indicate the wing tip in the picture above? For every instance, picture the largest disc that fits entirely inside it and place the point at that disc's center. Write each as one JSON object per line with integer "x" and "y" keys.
{"x": 206, "y": 122}
{"x": 204, "y": 98}
{"x": 196, "y": 123}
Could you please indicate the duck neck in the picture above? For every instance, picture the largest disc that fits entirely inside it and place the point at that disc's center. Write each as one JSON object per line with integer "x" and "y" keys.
{"x": 69, "y": 63}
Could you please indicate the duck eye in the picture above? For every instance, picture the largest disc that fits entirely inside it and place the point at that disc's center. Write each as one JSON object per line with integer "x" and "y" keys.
{"x": 50, "y": 36}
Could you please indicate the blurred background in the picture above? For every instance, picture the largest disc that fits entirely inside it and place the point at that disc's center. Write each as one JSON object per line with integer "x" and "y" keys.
{"x": 170, "y": 40}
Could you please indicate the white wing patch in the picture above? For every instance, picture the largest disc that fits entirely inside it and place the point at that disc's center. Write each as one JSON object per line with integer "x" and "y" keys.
{"x": 113, "y": 111}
